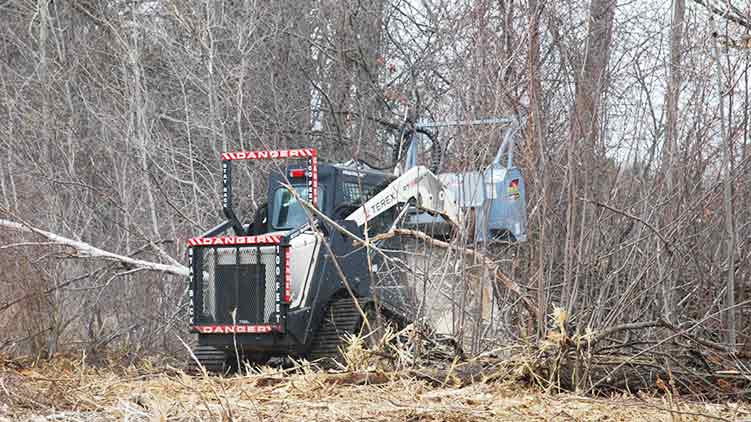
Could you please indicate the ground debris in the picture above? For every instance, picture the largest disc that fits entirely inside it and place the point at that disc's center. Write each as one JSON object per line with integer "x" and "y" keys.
{"x": 67, "y": 390}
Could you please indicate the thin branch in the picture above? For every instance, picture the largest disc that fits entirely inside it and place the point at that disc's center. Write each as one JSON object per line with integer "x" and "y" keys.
{"x": 633, "y": 217}
{"x": 626, "y": 327}
{"x": 726, "y": 14}
{"x": 85, "y": 250}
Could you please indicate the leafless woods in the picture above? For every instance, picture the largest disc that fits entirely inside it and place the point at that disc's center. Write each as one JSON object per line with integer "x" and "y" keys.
{"x": 113, "y": 116}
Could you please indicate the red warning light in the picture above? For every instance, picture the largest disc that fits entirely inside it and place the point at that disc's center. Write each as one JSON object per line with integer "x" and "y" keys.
{"x": 297, "y": 173}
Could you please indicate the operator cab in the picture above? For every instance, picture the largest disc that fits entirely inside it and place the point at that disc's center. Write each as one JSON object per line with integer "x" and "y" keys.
{"x": 341, "y": 189}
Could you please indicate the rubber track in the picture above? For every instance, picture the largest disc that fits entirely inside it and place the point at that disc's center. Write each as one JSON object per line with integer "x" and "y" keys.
{"x": 211, "y": 358}
{"x": 341, "y": 317}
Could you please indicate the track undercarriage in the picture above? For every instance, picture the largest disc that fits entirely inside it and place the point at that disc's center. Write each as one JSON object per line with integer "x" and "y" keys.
{"x": 341, "y": 320}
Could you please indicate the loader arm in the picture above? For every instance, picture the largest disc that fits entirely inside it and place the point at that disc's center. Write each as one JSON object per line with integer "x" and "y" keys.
{"x": 417, "y": 183}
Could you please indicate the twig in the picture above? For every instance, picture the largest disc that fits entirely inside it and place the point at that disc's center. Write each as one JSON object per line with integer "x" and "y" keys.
{"x": 625, "y": 327}
{"x": 663, "y": 341}
{"x": 633, "y": 217}
{"x": 726, "y": 14}
{"x": 705, "y": 343}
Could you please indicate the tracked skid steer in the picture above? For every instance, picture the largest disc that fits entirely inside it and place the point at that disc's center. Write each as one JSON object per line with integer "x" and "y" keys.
{"x": 291, "y": 283}
{"x": 297, "y": 278}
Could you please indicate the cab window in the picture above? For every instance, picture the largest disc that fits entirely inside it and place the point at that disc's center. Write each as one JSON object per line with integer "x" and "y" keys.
{"x": 286, "y": 212}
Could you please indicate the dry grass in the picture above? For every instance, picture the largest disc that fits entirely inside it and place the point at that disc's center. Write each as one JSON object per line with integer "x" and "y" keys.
{"x": 68, "y": 390}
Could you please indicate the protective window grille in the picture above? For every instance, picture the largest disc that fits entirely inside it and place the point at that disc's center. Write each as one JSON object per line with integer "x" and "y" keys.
{"x": 353, "y": 194}
{"x": 242, "y": 280}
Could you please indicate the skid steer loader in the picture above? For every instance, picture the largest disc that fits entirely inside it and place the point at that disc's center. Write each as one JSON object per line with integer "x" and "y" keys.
{"x": 281, "y": 285}
{"x": 292, "y": 284}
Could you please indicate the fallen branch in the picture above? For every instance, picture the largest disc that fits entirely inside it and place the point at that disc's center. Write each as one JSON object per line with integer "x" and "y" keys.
{"x": 85, "y": 250}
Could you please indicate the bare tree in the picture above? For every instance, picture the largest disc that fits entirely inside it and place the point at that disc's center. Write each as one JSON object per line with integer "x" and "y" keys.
{"x": 585, "y": 149}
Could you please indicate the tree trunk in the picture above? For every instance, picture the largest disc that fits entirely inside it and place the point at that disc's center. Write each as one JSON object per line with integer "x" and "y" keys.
{"x": 727, "y": 203}
{"x": 535, "y": 138}
{"x": 584, "y": 142}
{"x": 670, "y": 170}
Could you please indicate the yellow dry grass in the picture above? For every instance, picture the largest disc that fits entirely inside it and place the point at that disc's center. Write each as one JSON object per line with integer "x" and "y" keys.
{"x": 67, "y": 390}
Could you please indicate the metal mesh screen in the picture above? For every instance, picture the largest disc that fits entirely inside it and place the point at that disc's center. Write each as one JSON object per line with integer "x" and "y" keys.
{"x": 239, "y": 280}
{"x": 353, "y": 194}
